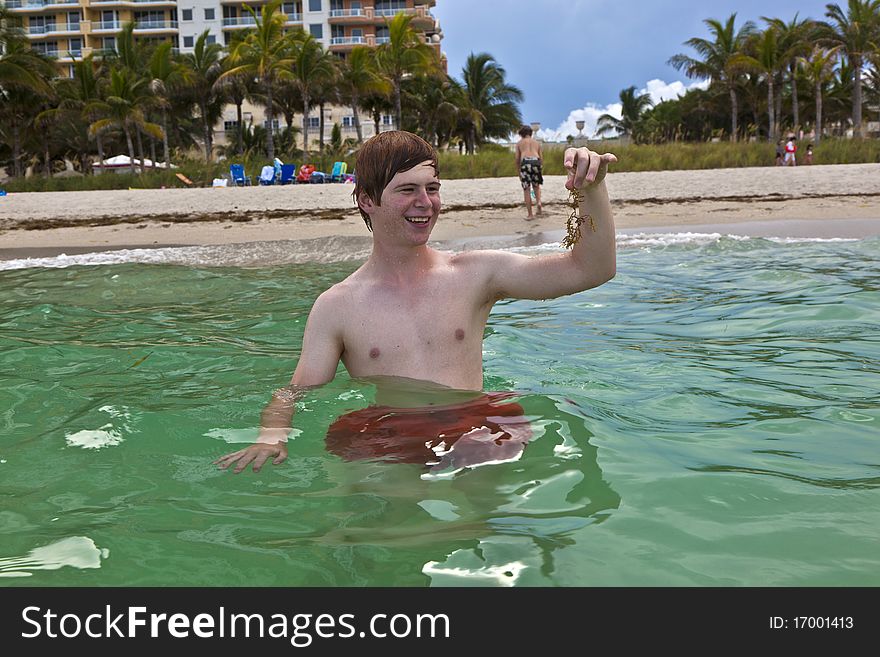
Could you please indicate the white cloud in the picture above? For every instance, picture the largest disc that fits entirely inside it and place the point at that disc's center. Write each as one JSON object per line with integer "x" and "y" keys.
{"x": 590, "y": 113}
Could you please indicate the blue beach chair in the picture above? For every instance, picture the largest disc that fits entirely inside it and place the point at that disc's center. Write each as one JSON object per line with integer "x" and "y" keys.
{"x": 288, "y": 171}
{"x": 338, "y": 172}
{"x": 237, "y": 176}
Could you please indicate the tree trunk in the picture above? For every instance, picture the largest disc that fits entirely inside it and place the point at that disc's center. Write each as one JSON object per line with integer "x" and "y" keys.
{"x": 397, "y": 111}
{"x": 818, "y": 129}
{"x": 153, "y": 152}
{"x": 140, "y": 142}
{"x": 165, "y": 139}
{"x": 305, "y": 127}
{"x": 857, "y": 98}
{"x": 795, "y": 109}
{"x": 100, "y": 151}
{"x": 321, "y": 128}
{"x": 734, "y": 109}
{"x": 357, "y": 118}
{"x": 270, "y": 117}
{"x": 472, "y": 140}
{"x": 778, "y": 126}
{"x": 376, "y": 119}
{"x": 238, "y": 115}
{"x": 203, "y": 107}
{"x": 771, "y": 128}
{"x": 130, "y": 150}
{"x": 48, "y": 171}
{"x": 16, "y": 150}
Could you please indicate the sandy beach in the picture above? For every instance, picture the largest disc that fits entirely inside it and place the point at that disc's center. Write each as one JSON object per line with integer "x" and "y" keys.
{"x": 806, "y": 201}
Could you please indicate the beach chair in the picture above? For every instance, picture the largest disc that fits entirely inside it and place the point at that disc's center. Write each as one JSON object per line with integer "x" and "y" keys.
{"x": 267, "y": 175}
{"x": 237, "y": 175}
{"x": 338, "y": 172}
{"x": 287, "y": 174}
{"x": 319, "y": 177}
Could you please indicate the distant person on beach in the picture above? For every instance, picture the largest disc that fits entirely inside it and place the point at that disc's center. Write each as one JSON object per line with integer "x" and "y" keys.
{"x": 808, "y": 157}
{"x": 790, "y": 150}
{"x": 780, "y": 152}
{"x": 415, "y": 317}
{"x": 528, "y": 162}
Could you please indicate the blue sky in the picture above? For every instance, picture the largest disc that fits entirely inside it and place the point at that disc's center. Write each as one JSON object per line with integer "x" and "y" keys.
{"x": 571, "y": 58}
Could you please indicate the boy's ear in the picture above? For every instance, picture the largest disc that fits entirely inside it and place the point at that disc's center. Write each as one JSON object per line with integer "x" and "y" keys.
{"x": 364, "y": 202}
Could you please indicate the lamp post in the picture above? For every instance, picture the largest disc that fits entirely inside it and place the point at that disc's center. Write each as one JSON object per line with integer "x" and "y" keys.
{"x": 580, "y": 126}
{"x": 535, "y": 126}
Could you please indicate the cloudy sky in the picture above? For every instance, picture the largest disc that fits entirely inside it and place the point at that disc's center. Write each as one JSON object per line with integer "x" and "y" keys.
{"x": 571, "y": 58}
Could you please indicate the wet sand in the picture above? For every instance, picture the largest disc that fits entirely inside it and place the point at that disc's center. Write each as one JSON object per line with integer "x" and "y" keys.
{"x": 815, "y": 201}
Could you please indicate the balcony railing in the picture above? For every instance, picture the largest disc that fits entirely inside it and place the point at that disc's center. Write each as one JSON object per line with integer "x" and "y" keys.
{"x": 240, "y": 21}
{"x": 346, "y": 12}
{"x": 37, "y": 4}
{"x": 294, "y": 18}
{"x": 155, "y": 25}
{"x": 347, "y": 41}
{"x": 393, "y": 12}
{"x": 104, "y": 26}
{"x": 381, "y": 40}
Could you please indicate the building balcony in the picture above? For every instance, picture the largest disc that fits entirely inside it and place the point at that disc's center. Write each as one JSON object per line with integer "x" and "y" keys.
{"x": 239, "y": 22}
{"x": 106, "y": 26}
{"x": 351, "y": 16}
{"x": 52, "y": 30}
{"x": 132, "y": 3}
{"x": 348, "y": 41}
{"x": 155, "y": 26}
{"x": 38, "y": 5}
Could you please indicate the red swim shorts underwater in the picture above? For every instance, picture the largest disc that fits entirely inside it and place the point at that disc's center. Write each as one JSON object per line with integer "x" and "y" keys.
{"x": 478, "y": 431}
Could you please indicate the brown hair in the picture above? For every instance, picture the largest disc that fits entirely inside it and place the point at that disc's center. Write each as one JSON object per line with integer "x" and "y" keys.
{"x": 525, "y": 131}
{"x": 383, "y": 157}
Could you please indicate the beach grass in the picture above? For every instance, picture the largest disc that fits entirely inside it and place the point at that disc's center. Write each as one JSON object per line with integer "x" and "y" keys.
{"x": 493, "y": 161}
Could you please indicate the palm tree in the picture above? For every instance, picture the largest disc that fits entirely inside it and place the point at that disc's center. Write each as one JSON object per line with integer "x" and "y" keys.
{"x": 24, "y": 84}
{"x": 204, "y": 68}
{"x": 405, "y": 53}
{"x": 819, "y": 69}
{"x": 632, "y": 107}
{"x": 165, "y": 76}
{"x": 719, "y": 62}
{"x": 856, "y": 34}
{"x": 795, "y": 41}
{"x": 313, "y": 65}
{"x": 266, "y": 54}
{"x": 766, "y": 59}
{"x": 359, "y": 76}
{"x": 490, "y": 102}
{"x": 123, "y": 108}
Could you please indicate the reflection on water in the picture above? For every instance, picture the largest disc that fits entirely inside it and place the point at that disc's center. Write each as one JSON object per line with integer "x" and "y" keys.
{"x": 707, "y": 418}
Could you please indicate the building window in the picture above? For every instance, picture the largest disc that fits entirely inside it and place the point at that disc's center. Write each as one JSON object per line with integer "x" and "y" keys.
{"x": 357, "y": 32}
{"x": 211, "y": 39}
{"x": 187, "y": 14}
{"x": 315, "y": 5}
{"x": 387, "y": 119}
{"x": 73, "y": 20}
{"x": 317, "y": 31}
{"x": 188, "y": 41}
{"x": 275, "y": 125}
{"x": 289, "y": 9}
{"x": 347, "y": 121}
{"x": 109, "y": 43}
{"x": 229, "y": 126}
{"x": 314, "y": 121}
{"x": 209, "y": 14}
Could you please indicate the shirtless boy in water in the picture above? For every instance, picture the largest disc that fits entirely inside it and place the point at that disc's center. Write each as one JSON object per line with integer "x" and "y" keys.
{"x": 412, "y": 311}
{"x": 529, "y": 161}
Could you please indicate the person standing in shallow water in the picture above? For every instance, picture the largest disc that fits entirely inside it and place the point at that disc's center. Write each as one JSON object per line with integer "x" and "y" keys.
{"x": 413, "y": 312}
{"x": 529, "y": 161}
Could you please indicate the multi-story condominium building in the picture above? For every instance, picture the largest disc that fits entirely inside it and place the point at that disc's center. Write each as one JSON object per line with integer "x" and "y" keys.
{"x": 72, "y": 29}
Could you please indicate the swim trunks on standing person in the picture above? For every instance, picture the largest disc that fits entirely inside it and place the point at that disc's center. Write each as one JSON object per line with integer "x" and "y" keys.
{"x": 485, "y": 429}
{"x": 530, "y": 173}
{"x": 528, "y": 161}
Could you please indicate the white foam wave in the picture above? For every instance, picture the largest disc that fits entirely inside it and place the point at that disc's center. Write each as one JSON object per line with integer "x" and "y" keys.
{"x": 74, "y": 551}
{"x": 257, "y": 254}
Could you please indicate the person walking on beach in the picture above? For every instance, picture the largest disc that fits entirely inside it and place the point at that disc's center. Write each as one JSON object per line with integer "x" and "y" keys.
{"x": 415, "y": 312}
{"x": 780, "y": 152}
{"x": 790, "y": 150}
{"x": 808, "y": 158}
{"x": 528, "y": 162}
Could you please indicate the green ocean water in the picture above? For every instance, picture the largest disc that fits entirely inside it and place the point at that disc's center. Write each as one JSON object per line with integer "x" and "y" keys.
{"x": 710, "y": 417}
